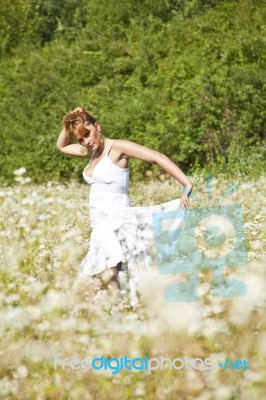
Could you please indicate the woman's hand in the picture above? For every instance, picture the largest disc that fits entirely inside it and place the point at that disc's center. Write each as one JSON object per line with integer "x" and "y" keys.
{"x": 184, "y": 201}
{"x": 184, "y": 198}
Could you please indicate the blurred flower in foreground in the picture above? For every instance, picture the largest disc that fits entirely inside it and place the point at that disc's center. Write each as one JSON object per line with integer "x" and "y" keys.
{"x": 19, "y": 178}
{"x": 20, "y": 171}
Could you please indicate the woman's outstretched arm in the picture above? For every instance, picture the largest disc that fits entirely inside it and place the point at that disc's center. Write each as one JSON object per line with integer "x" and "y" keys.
{"x": 72, "y": 149}
{"x": 131, "y": 149}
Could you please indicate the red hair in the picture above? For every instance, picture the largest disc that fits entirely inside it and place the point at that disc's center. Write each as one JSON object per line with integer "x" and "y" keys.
{"x": 75, "y": 120}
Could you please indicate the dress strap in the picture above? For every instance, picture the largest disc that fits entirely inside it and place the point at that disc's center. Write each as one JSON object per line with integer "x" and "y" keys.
{"x": 110, "y": 147}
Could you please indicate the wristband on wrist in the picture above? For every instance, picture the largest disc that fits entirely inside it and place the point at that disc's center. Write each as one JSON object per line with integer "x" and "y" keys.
{"x": 187, "y": 191}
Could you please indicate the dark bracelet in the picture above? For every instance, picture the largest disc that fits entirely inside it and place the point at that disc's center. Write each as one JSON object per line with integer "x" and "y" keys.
{"x": 187, "y": 191}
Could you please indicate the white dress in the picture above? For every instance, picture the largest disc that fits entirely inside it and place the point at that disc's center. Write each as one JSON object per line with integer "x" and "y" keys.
{"x": 119, "y": 232}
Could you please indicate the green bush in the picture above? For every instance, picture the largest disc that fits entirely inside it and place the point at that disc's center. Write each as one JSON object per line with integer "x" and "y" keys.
{"x": 185, "y": 78}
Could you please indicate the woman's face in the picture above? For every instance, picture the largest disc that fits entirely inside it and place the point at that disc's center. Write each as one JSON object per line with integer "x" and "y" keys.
{"x": 91, "y": 139}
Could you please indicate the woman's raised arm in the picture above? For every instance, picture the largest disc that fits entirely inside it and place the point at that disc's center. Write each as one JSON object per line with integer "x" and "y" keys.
{"x": 131, "y": 149}
{"x": 72, "y": 149}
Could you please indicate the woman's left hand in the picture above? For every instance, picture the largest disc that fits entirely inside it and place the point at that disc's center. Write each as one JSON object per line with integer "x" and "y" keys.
{"x": 184, "y": 201}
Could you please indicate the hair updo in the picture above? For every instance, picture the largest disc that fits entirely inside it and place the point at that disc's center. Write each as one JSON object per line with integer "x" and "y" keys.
{"x": 75, "y": 120}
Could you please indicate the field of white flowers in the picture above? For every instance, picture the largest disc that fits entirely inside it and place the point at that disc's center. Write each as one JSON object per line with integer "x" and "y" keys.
{"x": 44, "y": 236}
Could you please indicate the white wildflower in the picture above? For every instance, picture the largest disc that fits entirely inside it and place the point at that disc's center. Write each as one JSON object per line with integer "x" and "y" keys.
{"x": 224, "y": 392}
{"x": 212, "y": 327}
{"x": 53, "y": 300}
{"x": 21, "y": 372}
{"x": 72, "y": 233}
{"x": 251, "y": 376}
{"x": 16, "y": 318}
{"x": 8, "y": 387}
{"x": 44, "y": 326}
{"x": 20, "y": 171}
{"x": 140, "y": 389}
{"x": 33, "y": 311}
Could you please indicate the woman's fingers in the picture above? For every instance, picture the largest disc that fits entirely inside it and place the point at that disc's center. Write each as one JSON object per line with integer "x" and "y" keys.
{"x": 185, "y": 201}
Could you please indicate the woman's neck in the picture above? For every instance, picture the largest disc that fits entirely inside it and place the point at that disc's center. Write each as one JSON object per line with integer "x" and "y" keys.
{"x": 100, "y": 150}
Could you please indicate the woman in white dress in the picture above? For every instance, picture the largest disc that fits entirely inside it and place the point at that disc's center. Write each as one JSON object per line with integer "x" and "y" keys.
{"x": 120, "y": 233}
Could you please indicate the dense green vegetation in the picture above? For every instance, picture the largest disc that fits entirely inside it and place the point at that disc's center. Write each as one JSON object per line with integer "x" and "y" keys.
{"x": 184, "y": 77}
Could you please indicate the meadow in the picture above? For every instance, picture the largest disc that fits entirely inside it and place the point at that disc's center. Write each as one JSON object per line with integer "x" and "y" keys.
{"x": 45, "y": 233}
{"x": 186, "y": 78}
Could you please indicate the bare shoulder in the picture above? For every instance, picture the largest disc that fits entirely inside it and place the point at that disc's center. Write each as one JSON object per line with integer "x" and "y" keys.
{"x": 126, "y": 146}
{"x": 128, "y": 149}
{"x": 123, "y": 142}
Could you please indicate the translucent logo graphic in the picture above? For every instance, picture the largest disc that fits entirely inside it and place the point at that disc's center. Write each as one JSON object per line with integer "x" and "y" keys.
{"x": 210, "y": 237}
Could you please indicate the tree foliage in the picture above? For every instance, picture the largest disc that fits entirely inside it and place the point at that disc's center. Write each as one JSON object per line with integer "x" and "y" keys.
{"x": 184, "y": 77}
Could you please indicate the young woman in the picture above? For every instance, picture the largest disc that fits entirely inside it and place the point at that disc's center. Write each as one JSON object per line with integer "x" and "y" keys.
{"x": 120, "y": 233}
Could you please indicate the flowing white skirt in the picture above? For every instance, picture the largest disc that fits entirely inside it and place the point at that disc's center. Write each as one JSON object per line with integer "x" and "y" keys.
{"x": 126, "y": 235}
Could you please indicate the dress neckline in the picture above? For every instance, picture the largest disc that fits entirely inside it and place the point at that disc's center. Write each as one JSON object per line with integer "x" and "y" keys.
{"x": 105, "y": 156}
